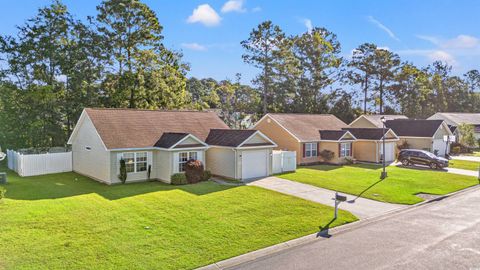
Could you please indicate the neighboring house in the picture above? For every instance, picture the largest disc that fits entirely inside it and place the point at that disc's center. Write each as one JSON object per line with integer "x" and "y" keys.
{"x": 373, "y": 120}
{"x": 368, "y": 145}
{"x": 422, "y": 134}
{"x": 455, "y": 119}
{"x": 157, "y": 144}
{"x": 308, "y": 135}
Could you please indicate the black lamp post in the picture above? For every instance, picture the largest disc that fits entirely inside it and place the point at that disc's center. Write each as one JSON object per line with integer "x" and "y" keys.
{"x": 384, "y": 173}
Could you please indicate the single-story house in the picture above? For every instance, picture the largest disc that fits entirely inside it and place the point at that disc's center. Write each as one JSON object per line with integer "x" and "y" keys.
{"x": 422, "y": 134}
{"x": 368, "y": 146}
{"x": 156, "y": 144}
{"x": 455, "y": 119}
{"x": 373, "y": 120}
{"x": 308, "y": 135}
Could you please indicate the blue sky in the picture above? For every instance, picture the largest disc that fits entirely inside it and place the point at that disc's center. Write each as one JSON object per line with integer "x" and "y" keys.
{"x": 419, "y": 31}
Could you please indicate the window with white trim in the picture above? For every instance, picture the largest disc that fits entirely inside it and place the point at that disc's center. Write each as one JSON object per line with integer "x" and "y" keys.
{"x": 345, "y": 149}
{"x": 135, "y": 161}
{"x": 311, "y": 149}
{"x": 183, "y": 158}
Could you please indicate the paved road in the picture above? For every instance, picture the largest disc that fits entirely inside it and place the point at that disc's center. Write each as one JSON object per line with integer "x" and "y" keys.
{"x": 437, "y": 235}
{"x": 360, "y": 207}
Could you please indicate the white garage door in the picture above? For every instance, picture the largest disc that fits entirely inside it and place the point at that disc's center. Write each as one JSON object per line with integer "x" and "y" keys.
{"x": 389, "y": 151}
{"x": 254, "y": 163}
{"x": 440, "y": 146}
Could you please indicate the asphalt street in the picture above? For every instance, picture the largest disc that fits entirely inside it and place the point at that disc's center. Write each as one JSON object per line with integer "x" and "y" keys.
{"x": 439, "y": 235}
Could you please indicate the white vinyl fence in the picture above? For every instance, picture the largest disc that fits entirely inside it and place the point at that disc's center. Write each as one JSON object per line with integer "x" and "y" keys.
{"x": 37, "y": 164}
{"x": 284, "y": 161}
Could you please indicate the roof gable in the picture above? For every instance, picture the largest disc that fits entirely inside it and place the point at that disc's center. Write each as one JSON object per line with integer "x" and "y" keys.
{"x": 306, "y": 127}
{"x": 375, "y": 119}
{"x": 458, "y": 118}
{"x": 130, "y": 128}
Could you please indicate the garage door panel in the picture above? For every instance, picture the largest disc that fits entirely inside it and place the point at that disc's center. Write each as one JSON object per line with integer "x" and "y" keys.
{"x": 254, "y": 164}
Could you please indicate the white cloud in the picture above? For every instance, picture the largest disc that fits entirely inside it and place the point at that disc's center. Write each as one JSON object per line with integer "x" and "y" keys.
{"x": 256, "y": 9}
{"x": 206, "y": 15}
{"x": 194, "y": 46}
{"x": 233, "y": 6}
{"x": 439, "y": 55}
{"x": 308, "y": 24}
{"x": 458, "y": 42}
{"x": 383, "y": 27}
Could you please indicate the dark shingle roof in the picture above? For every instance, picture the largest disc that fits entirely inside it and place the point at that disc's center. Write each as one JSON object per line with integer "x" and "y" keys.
{"x": 414, "y": 127}
{"x": 168, "y": 139}
{"x": 367, "y": 133}
{"x": 331, "y": 135}
{"x": 132, "y": 128}
{"x": 228, "y": 137}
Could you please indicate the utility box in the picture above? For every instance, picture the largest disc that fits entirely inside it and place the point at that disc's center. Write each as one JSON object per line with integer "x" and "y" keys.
{"x": 3, "y": 178}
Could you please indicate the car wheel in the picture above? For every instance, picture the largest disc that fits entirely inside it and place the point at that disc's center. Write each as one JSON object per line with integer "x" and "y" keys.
{"x": 405, "y": 162}
{"x": 433, "y": 166}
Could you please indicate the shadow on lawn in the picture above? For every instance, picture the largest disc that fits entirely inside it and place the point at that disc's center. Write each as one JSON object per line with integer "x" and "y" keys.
{"x": 336, "y": 167}
{"x": 62, "y": 185}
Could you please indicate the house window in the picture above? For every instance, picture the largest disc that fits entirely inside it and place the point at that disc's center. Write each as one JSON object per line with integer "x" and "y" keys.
{"x": 135, "y": 161}
{"x": 183, "y": 157}
{"x": 345, "y": 149}
{"x": 311, "y": 149}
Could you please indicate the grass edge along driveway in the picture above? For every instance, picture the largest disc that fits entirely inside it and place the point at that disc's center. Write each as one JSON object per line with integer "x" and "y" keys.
{"x": 68, "y": 221}
{"x": 400, "y": 186}
{"x": 464, "y": 164}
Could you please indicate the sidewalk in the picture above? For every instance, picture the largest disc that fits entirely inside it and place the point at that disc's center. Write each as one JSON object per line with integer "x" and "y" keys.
{"x": 360, "y": 207}
{"x": 467, "y": 158}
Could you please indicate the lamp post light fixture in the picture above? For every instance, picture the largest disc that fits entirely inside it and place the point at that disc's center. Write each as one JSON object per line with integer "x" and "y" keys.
{"x": 384, "y": 173}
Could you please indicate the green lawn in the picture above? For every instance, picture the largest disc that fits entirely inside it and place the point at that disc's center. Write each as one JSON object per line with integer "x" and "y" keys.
{"x": 400, "y": 187}
{"x": 464, "y": 164}
{"x": 475, "y": 154}
{"x": 67, "y": 221}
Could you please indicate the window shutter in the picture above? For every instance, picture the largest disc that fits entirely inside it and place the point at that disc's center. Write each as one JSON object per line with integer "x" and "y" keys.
{"x": 318, "y": 149}
{"x": 304, "y": 149}
{"x": 339, "y": 149}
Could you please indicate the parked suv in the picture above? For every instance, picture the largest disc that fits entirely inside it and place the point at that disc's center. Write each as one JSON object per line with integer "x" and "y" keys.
{"x": 420, "y": 157}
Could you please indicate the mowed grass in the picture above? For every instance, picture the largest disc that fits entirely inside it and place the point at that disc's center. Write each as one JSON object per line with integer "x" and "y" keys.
{"x": 464, "y": 164}
{"x": 67, "y": 221}
{"x": 363, "y": 180}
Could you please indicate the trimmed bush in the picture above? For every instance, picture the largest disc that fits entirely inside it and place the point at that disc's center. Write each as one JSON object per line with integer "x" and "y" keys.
{"x": 456, "y": 150}
{"x": 194, "y": 171}
{"x": 123, "y": 171}
{"x": 404, "y": 145}
{"x": 206, "y": 175}
{"x": 326, "y": 155}
{"x": 178, "y": 179}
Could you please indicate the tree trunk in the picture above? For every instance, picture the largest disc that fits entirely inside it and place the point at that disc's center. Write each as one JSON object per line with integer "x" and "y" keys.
{"x": 381, "y": 96}
{"x": 365, "y": 91}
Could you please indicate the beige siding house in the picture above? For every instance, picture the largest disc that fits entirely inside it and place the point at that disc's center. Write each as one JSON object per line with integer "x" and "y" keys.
{"x": 157, "y": 144}
{"x": 368, "y": 146}
{"x": 308, "y": 135}
{"x": 456, "y": 119}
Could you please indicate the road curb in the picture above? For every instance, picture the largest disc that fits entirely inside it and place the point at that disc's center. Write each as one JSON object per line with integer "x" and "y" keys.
{"x": 319, "y": 236}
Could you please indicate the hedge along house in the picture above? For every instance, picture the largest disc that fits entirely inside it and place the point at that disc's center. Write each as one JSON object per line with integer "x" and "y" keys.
{"x": 154, "y": 144}
{"x": 239, "y": 154}
{"x": 422, "y": 134}
{"x": 368, "y": 145}
{"x": 309, "y": 135}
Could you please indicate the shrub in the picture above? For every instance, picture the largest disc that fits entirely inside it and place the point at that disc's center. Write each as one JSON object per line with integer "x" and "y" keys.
{"x": 123, "y": 171}
{"x": 456, "y": 149}
{"x": 460, "y": 148}
{"x": 178, "y": 179}
{"x": 2, "y": 193}
{"x": 194, "y": 171}
{"x": 326, "y": 155}
{"x": 404, "y": 145}
{"x": 206, "y": 175}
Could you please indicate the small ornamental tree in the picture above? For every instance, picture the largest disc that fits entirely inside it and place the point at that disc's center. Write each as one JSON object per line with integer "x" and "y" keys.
{"x": 467, "y": 135}
{"x": 194, "y": 171}
{"x": 123, "y": 171}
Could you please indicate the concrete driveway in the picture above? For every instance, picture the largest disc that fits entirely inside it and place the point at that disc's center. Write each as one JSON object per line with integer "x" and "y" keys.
{"x": 360, "y": 207}
{"x": 447, "y": 170}
{"x": 467, "y": 158}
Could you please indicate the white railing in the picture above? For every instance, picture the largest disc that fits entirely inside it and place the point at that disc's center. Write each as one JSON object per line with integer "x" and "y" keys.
{"x": 284, "y": 161}
{"x": 38, "y": 164}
